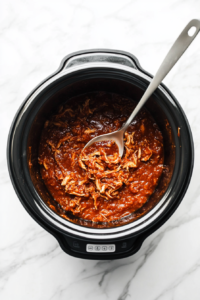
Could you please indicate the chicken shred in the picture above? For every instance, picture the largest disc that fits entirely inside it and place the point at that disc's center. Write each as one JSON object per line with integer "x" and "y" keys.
{"x": 107, "y": 172}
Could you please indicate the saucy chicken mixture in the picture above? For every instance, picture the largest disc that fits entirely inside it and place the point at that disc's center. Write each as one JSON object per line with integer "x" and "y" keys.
{"x": 95, "y": 183}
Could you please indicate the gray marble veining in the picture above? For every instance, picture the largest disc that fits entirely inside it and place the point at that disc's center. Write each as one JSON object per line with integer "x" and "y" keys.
{"x": 35, "y": 36}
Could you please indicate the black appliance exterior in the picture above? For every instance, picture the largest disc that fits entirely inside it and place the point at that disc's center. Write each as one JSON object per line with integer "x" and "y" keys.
{"x": 71, "y": 243}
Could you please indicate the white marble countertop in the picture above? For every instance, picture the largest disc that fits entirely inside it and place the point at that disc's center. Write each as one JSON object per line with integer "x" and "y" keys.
{"x": 35, "y": 36}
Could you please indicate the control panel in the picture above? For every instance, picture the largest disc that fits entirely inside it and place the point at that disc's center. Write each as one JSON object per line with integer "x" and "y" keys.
{"x": 100, "y": 248}
{"x": 94, "y": 248}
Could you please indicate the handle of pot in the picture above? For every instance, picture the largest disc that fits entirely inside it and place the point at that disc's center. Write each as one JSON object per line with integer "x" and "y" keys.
{"x": 100, "y": 57}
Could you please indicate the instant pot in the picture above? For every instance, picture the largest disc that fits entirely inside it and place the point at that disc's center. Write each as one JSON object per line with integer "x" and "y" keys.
{"x": 82, "y": 73}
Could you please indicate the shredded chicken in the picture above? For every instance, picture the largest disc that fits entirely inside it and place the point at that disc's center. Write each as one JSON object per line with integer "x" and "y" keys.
{"x": 110, "y": 172}
{"x": 50, "y": 143}
{"x": 75, "y": 185}
{"x": 73, "y": 159}
{"x": 46, "y": 124}
{"x": 86, "y": 110}
{"x": 60, "y": 124}
{"x": 147, "y": 153}
{"x": 97, "y": 172}
{"x": 105, "y": 174}
{"x": 62, "y": 112}
{"x": 88, "y": 131}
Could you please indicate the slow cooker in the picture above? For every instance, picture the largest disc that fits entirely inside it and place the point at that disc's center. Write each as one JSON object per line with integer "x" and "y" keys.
{"x": 81, "y": 73}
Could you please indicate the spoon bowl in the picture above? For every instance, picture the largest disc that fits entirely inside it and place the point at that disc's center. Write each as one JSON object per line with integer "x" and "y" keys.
{"x": 116, "y": 136}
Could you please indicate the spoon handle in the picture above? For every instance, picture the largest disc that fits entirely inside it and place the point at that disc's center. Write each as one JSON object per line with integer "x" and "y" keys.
{"x": 178, "y": 48}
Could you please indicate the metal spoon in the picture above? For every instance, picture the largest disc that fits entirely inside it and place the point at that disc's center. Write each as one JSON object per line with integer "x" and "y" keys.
{"x": 181, "y": 44}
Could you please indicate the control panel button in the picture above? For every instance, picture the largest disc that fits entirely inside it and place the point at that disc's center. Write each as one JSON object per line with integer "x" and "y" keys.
{"x": 97, "y": 248}
{"x": 100, "y": 248}
{"x": 111, "y": 248}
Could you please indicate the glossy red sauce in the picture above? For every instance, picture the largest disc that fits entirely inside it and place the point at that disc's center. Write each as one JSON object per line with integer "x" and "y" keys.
{"x": 96, "y": 184}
